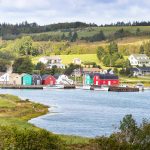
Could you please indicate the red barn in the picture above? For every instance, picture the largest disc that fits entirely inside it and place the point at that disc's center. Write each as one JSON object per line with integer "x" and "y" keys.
{"x": 48, "y": 80}
{"x": 105, "y": 79}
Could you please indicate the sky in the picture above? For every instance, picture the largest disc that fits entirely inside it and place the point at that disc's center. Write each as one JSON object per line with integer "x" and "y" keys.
{"x": 89, "y": 11}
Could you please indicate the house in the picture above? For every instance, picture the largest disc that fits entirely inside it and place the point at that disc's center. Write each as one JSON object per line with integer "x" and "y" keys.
{"x": 77, "y": 61}
{"x": 140, "y": 71}
{"x": 26, "y": 79}
{"x": 4, "y": 78}
{"x": 88, "y": 79}
{"x": 139, "y": 60}
{"x": 52, "y": 61}
{"x": 105, "y": 79}
{"x": 91, "y": 70}
{"x": 48, "y": 80}
{"x": 36, "y": 79}
{"x": 15, "y": 79}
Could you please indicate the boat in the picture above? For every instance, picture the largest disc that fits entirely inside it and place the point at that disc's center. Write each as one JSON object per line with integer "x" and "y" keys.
{"x": 123, "y": 89}
{"x": 54, "y": 87}
{"x": 101, "y": 88}
{"x": 140, "y": 86}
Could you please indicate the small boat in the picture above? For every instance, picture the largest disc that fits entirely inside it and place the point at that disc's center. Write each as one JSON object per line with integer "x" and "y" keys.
{"x": 140, "y": 86}
{"x": 101, "y": 88}
{"x": 54, "y": 87}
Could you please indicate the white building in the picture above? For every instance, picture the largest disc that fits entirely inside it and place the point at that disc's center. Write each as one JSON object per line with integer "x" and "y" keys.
{"x": 4, "y": 78}
{"x": 52, "y": 61}
{"x": 77, "y": 61}
{"x": 139, "y": 60}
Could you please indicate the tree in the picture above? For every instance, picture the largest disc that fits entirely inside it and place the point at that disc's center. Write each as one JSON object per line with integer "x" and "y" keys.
{"x": 113, "y": 48}
{"x": 25, "y": 46}
{"x": 40, "y": 66}
{"x": 23, "y": 65}
{"x": 74, "y": 37}
{"x": 100, "y": 53}
{"x": 141, "y": 49}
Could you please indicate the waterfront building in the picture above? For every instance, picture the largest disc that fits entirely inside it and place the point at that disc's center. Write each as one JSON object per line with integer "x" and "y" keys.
{"x": 48, "y": 80}
{"x": 15, "y": 79}
{"x": 105, "y": 79}
{"x": 4, "y": 78}
{"x": 26, "y": 79}
{"x": 36, "y": 79}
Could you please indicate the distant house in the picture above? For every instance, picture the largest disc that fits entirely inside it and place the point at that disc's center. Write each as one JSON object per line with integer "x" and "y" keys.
{"x": 52, "y": 61}
{"x": 139, "y": 60}
{"x": 63, "y": 79}
{"x": 77, "y": 61}
{"x": 26, "y": 79}
{"x": 36, "y": 79}
{"x": 91, "y": 70}
{"x": 140, "y": 71}
{"x": 105, "y": 79}
{"x": 4, "y": 78}
{"x": 15, "y": 79}
{"x": 48, "y": 80}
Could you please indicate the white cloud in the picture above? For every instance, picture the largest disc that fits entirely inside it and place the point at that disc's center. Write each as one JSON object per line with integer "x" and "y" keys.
{"x": 51, "y": 11}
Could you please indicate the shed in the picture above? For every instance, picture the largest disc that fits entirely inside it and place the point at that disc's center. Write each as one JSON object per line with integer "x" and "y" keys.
{"x": 26, "y": 79}
{"x": 36, "y": 79}
{"x": 15, "y": 79}
{"x": 88, "y": 79}
{"x": 48, "y": 80}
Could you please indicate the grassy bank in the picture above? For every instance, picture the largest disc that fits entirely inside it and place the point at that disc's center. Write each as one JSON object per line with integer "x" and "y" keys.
{"x": 16, "y": 112}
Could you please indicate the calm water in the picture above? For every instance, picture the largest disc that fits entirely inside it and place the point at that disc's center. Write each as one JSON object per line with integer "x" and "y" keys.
{"x": 86, "y": 113}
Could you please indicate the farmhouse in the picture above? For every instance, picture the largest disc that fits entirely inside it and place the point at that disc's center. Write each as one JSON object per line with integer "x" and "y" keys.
{"x": 52, "y": 61}
{"x": 105, "y": 79}
{"x": 139, "y": 60}
{"x": 76, "y": 61}
{"x": 48, "y": 80}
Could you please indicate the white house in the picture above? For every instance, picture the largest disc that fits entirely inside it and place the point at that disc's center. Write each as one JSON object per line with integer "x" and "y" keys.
{"x": 4, "y": 78}
{"x": 139, "y": 60}
{"x": 52, "y": 61}
{"x": 77, "y": 61}
{"x": 63, "y": 79}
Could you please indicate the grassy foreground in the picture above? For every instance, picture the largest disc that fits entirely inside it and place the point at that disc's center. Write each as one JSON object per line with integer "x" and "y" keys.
{"x": 16, "y": 112}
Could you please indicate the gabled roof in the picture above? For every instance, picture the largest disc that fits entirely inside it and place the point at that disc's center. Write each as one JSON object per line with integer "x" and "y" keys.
{"x": 106, "y": 76}
{"x": 143, "y": 69}
{"x": 141, "y": 57}
{"x": 36, "y": 76}
{"x": 46, "y": 76}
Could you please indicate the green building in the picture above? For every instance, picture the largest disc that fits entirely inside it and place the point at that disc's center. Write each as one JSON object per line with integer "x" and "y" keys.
{"x": 88, "y": 79}
{"x": 26, "y": 79}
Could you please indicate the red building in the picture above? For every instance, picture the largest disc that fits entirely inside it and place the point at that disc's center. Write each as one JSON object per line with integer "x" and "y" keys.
{"x": 105, "y": 79}
{"x": 48, "y": 80}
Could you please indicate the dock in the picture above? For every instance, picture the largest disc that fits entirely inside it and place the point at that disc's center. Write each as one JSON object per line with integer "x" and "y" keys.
{"x": 70, "y": 86}
{"x": 36, "y": 87}
{"x": 123, "y": 89}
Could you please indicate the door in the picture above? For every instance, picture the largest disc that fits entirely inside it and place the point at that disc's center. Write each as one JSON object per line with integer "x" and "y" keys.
{"x": 109, "y": 82}
{"x": 38, "y": 82}
{"x": 96, "y": 82}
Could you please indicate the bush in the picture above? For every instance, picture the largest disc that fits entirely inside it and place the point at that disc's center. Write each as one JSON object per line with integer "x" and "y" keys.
{"x": 28, "y": 139}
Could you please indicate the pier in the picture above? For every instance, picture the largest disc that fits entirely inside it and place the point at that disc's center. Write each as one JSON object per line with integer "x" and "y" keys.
{"x": 123, "y": 89}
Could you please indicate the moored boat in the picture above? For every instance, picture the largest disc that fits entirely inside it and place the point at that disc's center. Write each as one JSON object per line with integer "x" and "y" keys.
{"x": 54, "y": 87}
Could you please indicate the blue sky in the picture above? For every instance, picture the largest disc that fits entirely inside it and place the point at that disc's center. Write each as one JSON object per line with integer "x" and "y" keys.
{"x": 90, "y": 11}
